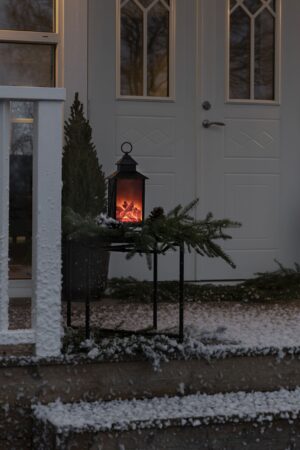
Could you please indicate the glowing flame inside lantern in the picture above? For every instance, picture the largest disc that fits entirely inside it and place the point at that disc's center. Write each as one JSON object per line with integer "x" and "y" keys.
{"x": 129, "y": 201}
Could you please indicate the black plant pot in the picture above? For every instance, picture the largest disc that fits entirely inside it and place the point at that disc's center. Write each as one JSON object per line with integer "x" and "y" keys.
{"x": 83, "y": 265}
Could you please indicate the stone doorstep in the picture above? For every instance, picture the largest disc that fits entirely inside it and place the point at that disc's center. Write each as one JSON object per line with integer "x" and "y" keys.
{"x": 279, "y": 435}
{"x": 23, "y": 381}
{"x": 220, "y": 421}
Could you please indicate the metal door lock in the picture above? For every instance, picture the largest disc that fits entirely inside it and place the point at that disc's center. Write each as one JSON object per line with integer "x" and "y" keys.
{"x": 206, "y": 105}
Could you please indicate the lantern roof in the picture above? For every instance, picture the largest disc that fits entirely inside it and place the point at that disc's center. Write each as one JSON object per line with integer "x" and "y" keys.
{"x": 127, "y": 165}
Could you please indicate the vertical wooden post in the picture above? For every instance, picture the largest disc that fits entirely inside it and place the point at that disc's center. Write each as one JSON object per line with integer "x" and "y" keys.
{"x": 48, "y": 121}
{"x": 5, "y": 131}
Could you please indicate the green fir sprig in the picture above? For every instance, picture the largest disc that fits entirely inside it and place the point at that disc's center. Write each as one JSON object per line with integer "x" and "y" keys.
{"x": 160, "y": 232}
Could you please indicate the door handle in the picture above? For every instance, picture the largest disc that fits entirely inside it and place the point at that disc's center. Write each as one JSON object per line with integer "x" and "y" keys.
{"x": 208, "y": 124}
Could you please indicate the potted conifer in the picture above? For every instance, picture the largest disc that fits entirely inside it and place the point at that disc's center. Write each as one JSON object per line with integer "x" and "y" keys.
{"x": 83, "y": 193}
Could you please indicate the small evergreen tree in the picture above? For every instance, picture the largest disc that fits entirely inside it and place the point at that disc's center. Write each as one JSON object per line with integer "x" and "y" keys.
{"x": 84, "y": 186}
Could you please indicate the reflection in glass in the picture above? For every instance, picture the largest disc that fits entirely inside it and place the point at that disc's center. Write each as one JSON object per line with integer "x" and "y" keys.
{"x": 145, "y": 3}
{"x": 158, "y": 51}
{"x": 131, "y": 50}
{"x": 22, "y": 110}
{"x": 264, "y": 56}
{"x": 273, "y": 5}
{"x": 27, "y": 64}
{"x": 27, "y": 15}
{"x": 240, "y": 48}
{"x": 253, "y": 5}
{"x": 20, "y": 196}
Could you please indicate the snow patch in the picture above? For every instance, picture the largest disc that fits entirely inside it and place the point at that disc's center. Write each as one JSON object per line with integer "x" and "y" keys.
{"x": 192, "y": 410}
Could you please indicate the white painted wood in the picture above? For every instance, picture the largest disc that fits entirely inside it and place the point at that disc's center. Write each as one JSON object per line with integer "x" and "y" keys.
{"x": 239, "y": 165}
{"x": 60, "y": 47}
{"x": 248, "y": 170}
{"x": 76, "y": 51}
{"x": 162, "y": 132}
{"x": 4, "y": 210}
{"x": 17, "y": 337}
{"x": 48, "y": 135}
{"x": 290, "y": 135}
{"x": 47, "y": 226}
{"x": 31, "y": 93}
{"x": 20, "y": 289}
{"x": 28, "y": 36}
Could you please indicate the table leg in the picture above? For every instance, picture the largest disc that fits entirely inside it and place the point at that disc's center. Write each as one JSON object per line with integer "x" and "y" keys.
{"x": 68, "y": 271}
{"x": 155, "y": 289}
{"x": 181, "y": 292}
{"x": 88, "y": 296}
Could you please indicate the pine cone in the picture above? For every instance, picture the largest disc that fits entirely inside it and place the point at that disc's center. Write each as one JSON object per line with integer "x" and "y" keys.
{"x": 157, "y": 213}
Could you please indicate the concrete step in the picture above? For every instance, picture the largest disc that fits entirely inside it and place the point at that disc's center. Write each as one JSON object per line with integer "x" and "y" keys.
{"x": 231, "y": 421}
{"x": 83, "y": 378}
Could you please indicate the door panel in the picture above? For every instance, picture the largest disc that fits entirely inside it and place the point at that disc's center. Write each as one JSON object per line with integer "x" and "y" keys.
{"x": 239, "y": 165}
{"x": 247, "y": 170}
{"x": 162, "y": 132}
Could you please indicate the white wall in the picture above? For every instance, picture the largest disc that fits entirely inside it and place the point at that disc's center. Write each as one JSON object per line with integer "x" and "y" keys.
{"x": 290, "y": 130}
{"x": 75, "y": 50}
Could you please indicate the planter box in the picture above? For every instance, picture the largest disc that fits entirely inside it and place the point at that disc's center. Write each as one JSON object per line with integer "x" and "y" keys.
{"x": 82, "y": 265}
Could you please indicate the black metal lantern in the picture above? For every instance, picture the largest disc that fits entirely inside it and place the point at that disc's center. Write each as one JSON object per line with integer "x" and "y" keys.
{"x": 126, "y": 190}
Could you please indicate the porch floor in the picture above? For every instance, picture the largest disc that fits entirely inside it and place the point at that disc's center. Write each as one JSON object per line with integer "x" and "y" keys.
{"x": 218, "y": 325}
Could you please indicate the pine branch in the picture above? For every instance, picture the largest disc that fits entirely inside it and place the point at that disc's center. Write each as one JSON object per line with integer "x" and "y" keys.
{"x": 162, "y": 232}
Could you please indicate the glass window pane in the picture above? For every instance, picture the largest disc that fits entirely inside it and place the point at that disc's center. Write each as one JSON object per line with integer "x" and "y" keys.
{"x": 20, "y": 201}
{"x": 22, "y": 110}
{"x": 131, "y": 50}
{"x": 273, "y": 5}
{"x": 253, "y": 5}
{"x": 27, "y": 64}
{"x": 27, "y": 15}
{"x": 264, "y": 56}
{"x": 145, "y": 3}
{"x": 158, "y": 51}
{"x": 240, "y": 60}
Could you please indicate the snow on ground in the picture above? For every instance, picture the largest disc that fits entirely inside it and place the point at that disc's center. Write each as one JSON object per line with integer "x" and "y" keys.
{"x": 191, "y": 409}
{"x": 256, "y": 325}
{"x": 210, "y": 328}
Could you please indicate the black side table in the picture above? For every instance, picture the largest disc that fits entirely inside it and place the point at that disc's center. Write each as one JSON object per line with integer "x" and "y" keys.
{"x": 126, "y": 247}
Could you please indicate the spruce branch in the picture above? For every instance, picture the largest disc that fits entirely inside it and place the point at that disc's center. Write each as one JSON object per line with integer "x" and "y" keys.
{"x": 162, "y": 232}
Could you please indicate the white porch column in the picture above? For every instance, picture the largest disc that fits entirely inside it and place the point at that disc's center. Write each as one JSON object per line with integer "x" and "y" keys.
{"x": 48, "y": 141}
{"x": 4, "y": 210}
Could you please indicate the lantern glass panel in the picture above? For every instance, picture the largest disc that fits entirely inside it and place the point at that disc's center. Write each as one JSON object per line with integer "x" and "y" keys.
{"x": 129, "y": 200}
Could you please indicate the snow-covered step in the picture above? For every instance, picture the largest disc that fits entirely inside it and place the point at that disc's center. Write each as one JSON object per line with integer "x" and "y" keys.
{"x": 258, "y": 420}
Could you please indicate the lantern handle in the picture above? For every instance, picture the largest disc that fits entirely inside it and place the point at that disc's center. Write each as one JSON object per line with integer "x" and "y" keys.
{"x": 128, "y": 151}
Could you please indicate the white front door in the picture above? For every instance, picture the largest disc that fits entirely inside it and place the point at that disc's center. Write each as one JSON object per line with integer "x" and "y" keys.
{"x": 240, "y": 156}
{"x": 246, "y": 170}
{"x": 161, "y": 129}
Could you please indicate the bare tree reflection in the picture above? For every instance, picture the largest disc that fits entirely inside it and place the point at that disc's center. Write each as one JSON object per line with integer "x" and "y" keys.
{"x": 158, "y": 51}
{"x": 240, "y": 55}
{"x": 30, "y": 15}
{"x": 132, "y": 36}
{"x": 131, "y": 50}
{"x": 264, "y": 56}
{"x": 240, "y": 48}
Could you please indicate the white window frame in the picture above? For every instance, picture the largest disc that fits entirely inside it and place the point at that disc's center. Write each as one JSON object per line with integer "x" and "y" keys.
{"x": 277, "y": 62}
{"x": 23, "y": 287}
{"x": 34, "y": 37}
{"x": 145, "y": 97}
